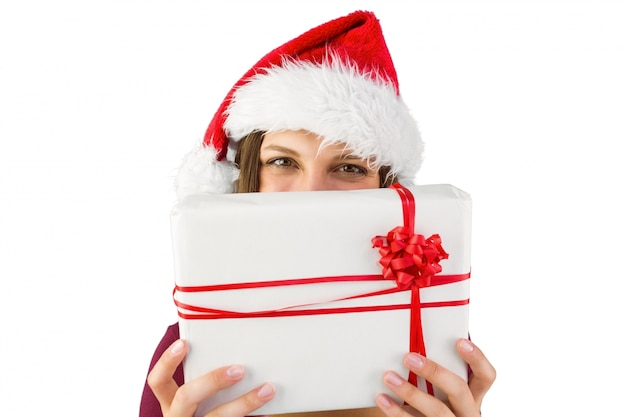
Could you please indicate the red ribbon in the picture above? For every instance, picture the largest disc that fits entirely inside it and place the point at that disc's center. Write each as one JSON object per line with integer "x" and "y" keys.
{"x": 409, "y": 258}
{"x": 412, "y": 261}
{"x": 406, "y": 257}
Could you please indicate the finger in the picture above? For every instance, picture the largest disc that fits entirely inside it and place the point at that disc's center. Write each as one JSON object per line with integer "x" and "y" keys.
{"x": 392, "y": 409}
{"x": 460, "y": 398}
{"x": 389, "y": 407}
{"x": 483, "y": 373}
{"x": 418, "y": 399}
{"x": 161, "y": 377}
{"x": 245, "y": 404}
{"x": 189, "y": 395}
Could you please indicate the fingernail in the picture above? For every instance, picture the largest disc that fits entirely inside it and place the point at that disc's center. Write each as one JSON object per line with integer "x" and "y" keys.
{"x": 235, "y": 371}
{"x": 266, "y": 390}
{"x": 467, "y": 346}
{"x": 177, "y": 347}
{"x": 414, "y": 360}
{"x": 393, "y": 378}
{"x": 384, "y": 400}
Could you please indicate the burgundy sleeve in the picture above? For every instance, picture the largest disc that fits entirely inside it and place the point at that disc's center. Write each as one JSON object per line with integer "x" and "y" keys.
{"x": 149, "y": 406}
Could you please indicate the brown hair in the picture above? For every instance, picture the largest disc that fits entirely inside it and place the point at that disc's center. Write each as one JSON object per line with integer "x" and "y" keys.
{"x": 247, "y": 159}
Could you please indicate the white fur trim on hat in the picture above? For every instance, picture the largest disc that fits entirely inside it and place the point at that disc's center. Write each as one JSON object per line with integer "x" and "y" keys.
{"x": 335, "y": 101}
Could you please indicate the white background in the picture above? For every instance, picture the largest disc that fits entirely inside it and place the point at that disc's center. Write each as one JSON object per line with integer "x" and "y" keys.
{"x": 521, "y": 103}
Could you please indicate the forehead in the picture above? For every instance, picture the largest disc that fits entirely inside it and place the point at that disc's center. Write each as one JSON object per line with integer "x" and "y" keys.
{"x": 301, "y": 141}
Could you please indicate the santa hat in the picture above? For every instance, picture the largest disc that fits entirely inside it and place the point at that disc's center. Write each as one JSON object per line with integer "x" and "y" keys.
{"x": 337, "y": 80}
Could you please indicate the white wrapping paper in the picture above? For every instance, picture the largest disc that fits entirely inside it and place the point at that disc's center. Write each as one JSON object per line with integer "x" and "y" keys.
{"x": 321, "y": 361}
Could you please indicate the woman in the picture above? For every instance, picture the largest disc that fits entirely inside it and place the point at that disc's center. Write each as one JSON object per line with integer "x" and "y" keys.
{"x": 321, "y": 112}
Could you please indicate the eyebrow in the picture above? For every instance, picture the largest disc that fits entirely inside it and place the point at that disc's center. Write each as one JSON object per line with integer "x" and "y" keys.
{"x": 350, "y": 156}
{"x": 289, "y": 151}
{"x": 279, "y": 149}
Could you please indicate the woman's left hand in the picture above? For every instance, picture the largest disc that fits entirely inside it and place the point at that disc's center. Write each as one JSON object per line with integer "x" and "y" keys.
{"x": 464, "y": 398}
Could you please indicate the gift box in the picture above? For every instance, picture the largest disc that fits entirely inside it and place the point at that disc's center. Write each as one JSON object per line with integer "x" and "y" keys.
{"x": 321, "y": 292}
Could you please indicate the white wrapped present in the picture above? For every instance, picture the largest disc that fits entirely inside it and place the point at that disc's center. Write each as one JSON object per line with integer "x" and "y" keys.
{"x": 291, "y": 286}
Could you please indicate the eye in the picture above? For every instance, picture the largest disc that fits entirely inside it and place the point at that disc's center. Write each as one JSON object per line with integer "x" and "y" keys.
{"x": 280, "y": 162}
{"x": 352, "y": 169}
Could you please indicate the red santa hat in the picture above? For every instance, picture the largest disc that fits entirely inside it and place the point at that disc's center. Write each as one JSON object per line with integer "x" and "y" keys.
{"x": 337, "y": 80}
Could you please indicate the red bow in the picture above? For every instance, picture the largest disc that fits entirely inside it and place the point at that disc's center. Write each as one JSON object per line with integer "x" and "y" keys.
{"x": 409, "y": 258}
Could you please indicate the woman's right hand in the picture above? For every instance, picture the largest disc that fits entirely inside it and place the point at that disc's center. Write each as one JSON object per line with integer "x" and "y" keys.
{"x": 182, "y": 401}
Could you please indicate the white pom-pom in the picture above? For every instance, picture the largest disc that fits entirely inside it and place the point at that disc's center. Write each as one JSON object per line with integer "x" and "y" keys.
{"x": 201, "y": 172}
